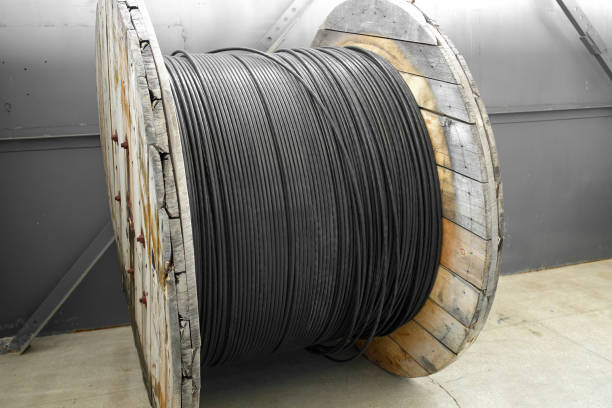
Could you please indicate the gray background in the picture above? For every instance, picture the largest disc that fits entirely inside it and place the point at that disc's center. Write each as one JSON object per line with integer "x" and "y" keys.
{"x": 549, "y": 101}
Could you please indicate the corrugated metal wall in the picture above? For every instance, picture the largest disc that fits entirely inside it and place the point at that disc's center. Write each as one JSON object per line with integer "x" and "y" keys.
{"x": 550, "y": 104}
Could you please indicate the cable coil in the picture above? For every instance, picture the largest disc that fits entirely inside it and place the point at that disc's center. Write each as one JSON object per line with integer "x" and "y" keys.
{"x": 315, "y": 201}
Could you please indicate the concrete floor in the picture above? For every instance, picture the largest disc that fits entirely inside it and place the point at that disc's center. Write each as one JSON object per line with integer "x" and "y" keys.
{"x": 548, "y": 343}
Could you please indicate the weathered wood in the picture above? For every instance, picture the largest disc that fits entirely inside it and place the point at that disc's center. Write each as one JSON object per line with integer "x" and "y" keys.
{"x": 494, "y": 195}
{"x": 134, "y": 137}
{"x": 455, "y": 295}
{"x": 438, "y": 97}
{"x": 463, "y": 201}
{"x": 177, "y": 246}
{"x": 464, "y": 253}
{"x": 386, "y": 353}
{"x": 426, "y": 349}
{"x": 156, "y": 177}
{"x": 158, "y": 122}
{"x": 413, "y": 58}
{"x": 170, "y": 188}
{"x": 176, "y": 157}
{"x": 442, "y": 325}
{"x": 456, "y": 145}
{"x": 365, "y": 17}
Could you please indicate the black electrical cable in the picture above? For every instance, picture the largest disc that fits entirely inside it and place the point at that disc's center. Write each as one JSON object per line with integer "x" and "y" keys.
{"x": 315, "y": 201}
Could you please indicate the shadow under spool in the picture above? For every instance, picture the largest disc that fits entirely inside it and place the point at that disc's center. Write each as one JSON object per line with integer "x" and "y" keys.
{"x": 314, "y": 198}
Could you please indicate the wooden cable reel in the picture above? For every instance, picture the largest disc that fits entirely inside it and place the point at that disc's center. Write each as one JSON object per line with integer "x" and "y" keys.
{"x": 149, "y": 202}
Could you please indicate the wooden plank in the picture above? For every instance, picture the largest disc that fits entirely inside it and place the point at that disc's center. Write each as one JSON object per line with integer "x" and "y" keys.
{"x": 165, "y": 242}
{"x": 442, "y": 325}
{"x": 143, "y": 32}
{"x": 156, "y": 267}
{"x": 130, "y": 71}
{"x": 455, "y": 295}
{"x": 115, "y": 62}
{"x": 167, "y": 383}
{"x": 159, "y": 121}
{"x": 464, "y": 253}
{"x": 456, "y": 145}
{"x": 463, "y": 201}
{"x": 418, "y": 59}
{"x": 389, "y": 19}
{"x": 483, "y": 308}
{"x": 186, "y": 350}
{"x": 164, "y": 325}
{"x": 172, "y": 205}
{"x": 146, "y": 210}
{"x": 156, "y": 174}
{"x": 124, "y": 22}
{"x": 386, "y": 353}
{"x": 182, "y": 293}
{"x": 187, "y": 392}
{"x": 431, "y": 354}
{"x": 439, "y": 97}
{"x": 132, "y": 100}
{"x": 173, "y": 353}
{"x": 178, "y": 253}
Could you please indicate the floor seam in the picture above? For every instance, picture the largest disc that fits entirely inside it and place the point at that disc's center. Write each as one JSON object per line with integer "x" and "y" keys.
{"x": 582, "y": 346}
{"x": 445, "y": 390}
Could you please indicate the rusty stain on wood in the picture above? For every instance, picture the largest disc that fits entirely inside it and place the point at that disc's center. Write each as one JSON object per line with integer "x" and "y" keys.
{"x": 135, "y": 177}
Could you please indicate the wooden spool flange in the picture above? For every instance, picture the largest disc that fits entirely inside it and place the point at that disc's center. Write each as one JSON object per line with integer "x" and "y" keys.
{"x": 149, "y": 205}
{"x": 149, "y": 201}
{"x": 468, "y": 170}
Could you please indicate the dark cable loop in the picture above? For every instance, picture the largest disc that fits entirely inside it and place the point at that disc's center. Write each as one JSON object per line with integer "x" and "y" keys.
{"x": 314, "y": 195}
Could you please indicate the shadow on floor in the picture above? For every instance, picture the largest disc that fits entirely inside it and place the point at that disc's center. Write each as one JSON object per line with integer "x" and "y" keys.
{"x": 304, "y": 379}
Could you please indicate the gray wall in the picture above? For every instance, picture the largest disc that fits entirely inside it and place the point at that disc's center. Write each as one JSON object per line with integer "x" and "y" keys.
{"x": 550, "y": 104}
{"x": 53, "y": 205}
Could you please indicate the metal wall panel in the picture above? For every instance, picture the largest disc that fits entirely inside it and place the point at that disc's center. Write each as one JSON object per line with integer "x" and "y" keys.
{"x": 556, "y": 178}
{"x": 53, "y": 204}
{"x": 47, "y": 54}
{"x": 525, "y": 54}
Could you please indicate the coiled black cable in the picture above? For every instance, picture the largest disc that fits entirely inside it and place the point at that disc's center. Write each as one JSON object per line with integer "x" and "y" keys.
{"x": 315, "y": 202}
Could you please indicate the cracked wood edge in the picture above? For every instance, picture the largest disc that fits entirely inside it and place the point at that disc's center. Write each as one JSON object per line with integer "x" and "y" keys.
{"x": 148, "y": 201}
